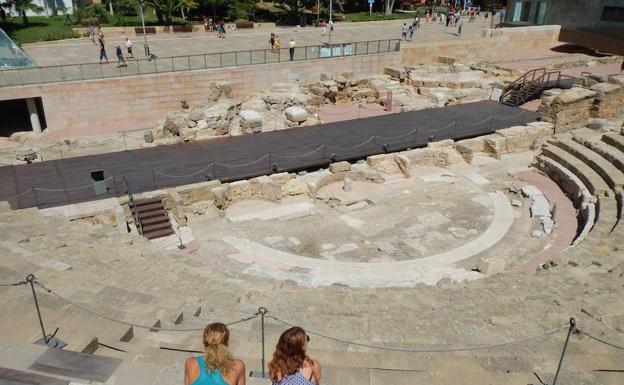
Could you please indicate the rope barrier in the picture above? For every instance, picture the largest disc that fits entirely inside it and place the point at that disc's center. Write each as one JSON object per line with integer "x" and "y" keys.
{"x": 242, "y": 164}
{"x": 282, "y": 156}
{"x": 481, "y": 122}
{"x": 397, "y": 137}
{"x": 20, "y": 283}
{"x": 70, "y": 189}
{"x": 18, "y": 195}
{"x": 187, "y": 175}
{"x": 410, "y": 350}
{"x": 440, "y": 129}
{"x": 511, "y": 117}
{"x": 351, "y": 147}
{"x": 602, "y": 341}
{"x": 85, "y": 309}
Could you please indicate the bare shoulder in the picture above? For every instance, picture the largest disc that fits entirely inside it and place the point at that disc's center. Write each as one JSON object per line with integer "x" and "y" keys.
{"x": 191, "y": 362}
{"x": 239, "y": 365}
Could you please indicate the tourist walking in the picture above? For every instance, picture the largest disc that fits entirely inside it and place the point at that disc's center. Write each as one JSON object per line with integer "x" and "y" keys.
{"x": 291, "y": 49}
{"x": 410, "y": 33}
{"x": 92, "y": 33}
{"x": 102, "y": 49}
{"x": 129, "y": 48}
{"x": 331, "y": 26}
{"x": 290, "y": 364}
{"x": 205, "y": 23}
{"x": 222, "y": 26}
{"x": 120, "y": 59}
{"x": 404, "y": 32}
{"x": 272, "y": 42}
{"x": 324, "y": 27}
{"x": 276, "y": 44}
{"x": 216, "y": 366}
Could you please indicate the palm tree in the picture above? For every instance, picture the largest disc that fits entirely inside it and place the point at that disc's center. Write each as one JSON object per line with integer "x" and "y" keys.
{"x": 21, "y": 6}
{"x": 165, "y": 8}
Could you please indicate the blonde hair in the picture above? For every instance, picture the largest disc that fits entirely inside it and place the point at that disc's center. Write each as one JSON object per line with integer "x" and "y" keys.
{"x": 217, "y": 356}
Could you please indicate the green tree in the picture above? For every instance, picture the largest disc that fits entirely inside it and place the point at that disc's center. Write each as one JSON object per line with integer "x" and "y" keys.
{"x": 295, "y": 8}
{"x": 21, "y": 6}
{"x": 165, "y": 9}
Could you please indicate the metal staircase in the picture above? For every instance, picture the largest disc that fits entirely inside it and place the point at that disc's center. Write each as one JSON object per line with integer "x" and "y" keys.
{"x": 530, "y": 86}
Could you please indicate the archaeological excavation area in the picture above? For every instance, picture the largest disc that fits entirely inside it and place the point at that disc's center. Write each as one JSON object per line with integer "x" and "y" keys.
{"x": 433, "y": 223}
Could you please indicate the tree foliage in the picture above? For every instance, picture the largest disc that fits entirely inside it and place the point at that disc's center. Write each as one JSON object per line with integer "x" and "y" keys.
{"x": 295, "y": 8}
{"x": 21, "y": 6}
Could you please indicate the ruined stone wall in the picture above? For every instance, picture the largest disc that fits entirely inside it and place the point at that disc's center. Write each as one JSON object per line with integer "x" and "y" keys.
{"x": 567, "y": 109}
{"x": 136, "y": 102}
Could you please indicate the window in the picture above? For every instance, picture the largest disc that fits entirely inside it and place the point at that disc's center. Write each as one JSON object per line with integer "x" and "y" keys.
{"x": 615, "y": 14}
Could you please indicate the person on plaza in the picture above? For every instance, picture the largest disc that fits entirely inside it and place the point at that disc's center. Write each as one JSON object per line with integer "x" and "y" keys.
{"x": 501, "y": 14}
{"x": 100, "y": 33}
{"x": 120, "y": 58}
{"x": 129, "y": 48}
{"x": 92, "y": 33}
{"x": 102, "y": 49}
{"x": 331, "y": 25}
{"x": 448, "y": 19}
{"x": 428, "y": 17}
{"x": 211, "y": 26}
{"x": 222, "y": 26}
{"x": 218, "y": 26}
{"x": 276, "y": 44}
{"x": 404, "y": 32}
{"x": 324, "y": 27}
{"x": 272, "y": 42}
{"x": 290, "y": 364}
{"x": 216, "y": 366}
{"x": 205, "y": 23}
{"x": 410, "y": 33}
{"x": 291, "y": 49}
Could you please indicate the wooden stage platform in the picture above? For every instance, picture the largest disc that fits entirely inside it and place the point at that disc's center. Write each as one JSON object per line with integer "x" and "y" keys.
{"x": 59, "y": 182}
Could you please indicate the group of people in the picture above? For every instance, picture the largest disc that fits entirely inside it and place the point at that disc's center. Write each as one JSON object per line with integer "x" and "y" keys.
{"x": 290, "y": 364}
{"x": 325, "y": 24}
{"x": 274, "y": 42}
{"x": 219, "y": 26}
{"x": 101, "y": 44}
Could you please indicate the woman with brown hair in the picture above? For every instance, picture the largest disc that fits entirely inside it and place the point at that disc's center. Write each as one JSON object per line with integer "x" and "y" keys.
{"x": 290, "y": 364}
{"x": 217, "y": 366}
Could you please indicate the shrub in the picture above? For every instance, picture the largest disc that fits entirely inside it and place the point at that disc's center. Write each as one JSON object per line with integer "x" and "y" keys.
{"x": 49, "y": 36}
{"x": 91, "y": 14}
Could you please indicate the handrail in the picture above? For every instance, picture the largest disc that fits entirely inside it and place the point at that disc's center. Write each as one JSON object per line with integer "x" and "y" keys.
{"x": 132, "y": 203}
{"x": 209, "y": 60}
{"x": 521, "y": 80}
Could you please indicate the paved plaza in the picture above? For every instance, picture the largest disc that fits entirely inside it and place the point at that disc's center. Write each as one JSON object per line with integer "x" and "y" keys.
{"x": 196, "y": 43}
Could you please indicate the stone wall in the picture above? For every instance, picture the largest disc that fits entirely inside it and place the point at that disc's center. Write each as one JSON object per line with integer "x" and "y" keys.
{"x": 137, "y": 102}
{"x": 567, "y": 109}
{"x": 609, "y": 102}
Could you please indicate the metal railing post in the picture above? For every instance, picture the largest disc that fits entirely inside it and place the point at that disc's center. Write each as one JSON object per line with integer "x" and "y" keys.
{"x": 82, "y": 72}
{"x": 205, "y": 66}
{"x": 172, "y": 65}
{"x": 565, "y": 347}
{"x": 31, "y": 280}
{"x": 263, "y": 311}
{"x": 188, "y": 62}
{"x": 220, "y": 59}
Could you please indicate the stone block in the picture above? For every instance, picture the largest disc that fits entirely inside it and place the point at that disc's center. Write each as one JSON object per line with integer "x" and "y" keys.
{"x": 495, "y": 145}
{"x": 491, "y": 266}
{"x": 383, "y": 163}
{"x": 397, "y": 73}
{"x": 295, "y": 187}
{"x": 220, "y": 197}
{"x": 238, "y": 190}
{"x": 339, "y": 167}
{"x": 441, "y": 143}
{"x": 282, "y": 177}
{"x": 250, "y": 121}
{"x": 296, "y": 114}
{"x": 266, "y": 188}
{"x": 327, "y": 76}
{"x": 199, "y": 191}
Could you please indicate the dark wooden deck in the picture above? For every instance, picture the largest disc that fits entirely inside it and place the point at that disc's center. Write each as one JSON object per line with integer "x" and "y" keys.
{"x": 66, "y": 181}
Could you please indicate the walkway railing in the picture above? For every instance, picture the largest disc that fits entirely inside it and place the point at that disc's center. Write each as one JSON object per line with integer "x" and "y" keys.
{"x": 571, "y": 328}
{"x": 89, "y": 71}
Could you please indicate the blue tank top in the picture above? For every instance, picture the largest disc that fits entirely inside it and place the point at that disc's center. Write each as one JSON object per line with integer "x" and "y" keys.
{"x": 205, "y": 378}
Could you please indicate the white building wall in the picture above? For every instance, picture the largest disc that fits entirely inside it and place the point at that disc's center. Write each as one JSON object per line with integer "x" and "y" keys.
{"x": 62, "y": 7}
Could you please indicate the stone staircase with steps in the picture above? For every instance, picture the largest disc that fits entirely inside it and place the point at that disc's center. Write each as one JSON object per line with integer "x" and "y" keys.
{"x": 588, "y": 167}
{"x": 530, "y": 85}
{"x": 152, "y": 218}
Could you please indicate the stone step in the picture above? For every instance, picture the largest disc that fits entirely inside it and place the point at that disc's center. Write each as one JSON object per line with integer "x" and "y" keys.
{"x": 575, "y": 190}
{"x": 607, "y": 151}
{"x": 614, "y": 140}
{"x": 608, "y": 171}
{"x": 594, "y": 182}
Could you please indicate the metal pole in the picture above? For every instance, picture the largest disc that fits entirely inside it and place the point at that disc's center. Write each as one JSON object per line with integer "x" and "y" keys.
{"x": 565, "y": 346}
{"x": 263, "y": 311}
{"x": 145, "y": 45}
{"x": 124, "y": 140}
{"x": 31, "y": 279}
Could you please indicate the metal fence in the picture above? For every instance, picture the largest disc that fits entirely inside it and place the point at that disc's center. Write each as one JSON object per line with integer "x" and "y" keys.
{"x": 87, "y": 71}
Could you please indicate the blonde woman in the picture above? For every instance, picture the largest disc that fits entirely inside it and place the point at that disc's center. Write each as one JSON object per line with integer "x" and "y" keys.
{"x": 290, "y": 364}
{"x": 217, "y": 366}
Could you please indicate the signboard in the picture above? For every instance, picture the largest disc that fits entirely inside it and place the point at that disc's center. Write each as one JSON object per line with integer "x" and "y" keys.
{"x": 496, "y": 94}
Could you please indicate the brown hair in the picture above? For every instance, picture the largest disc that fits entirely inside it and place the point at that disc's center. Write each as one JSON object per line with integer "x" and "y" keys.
{"x": 289, "y": 354}
{"x": 217, "y": 356}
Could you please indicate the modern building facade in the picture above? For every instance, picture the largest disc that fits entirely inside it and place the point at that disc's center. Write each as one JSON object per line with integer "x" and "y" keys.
{"x": 568, "y": 13}
{"x": 594, "y": 24}
{"x": 50, "y": 7}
